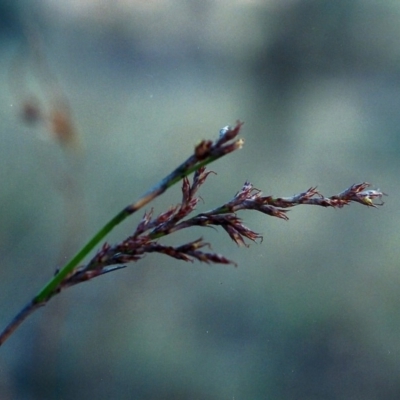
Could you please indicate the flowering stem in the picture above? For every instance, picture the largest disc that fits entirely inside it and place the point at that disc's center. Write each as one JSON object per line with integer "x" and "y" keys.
{"x": 205, "y": 153}
{"x": 110, "y": 258}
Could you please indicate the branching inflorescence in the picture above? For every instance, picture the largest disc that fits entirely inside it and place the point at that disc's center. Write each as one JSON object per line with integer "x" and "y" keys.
{"x": 150, "y": 230}
{"x": 145, "y": 239}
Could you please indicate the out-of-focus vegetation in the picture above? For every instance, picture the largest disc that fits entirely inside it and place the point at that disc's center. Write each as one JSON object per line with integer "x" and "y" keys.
{"x": 310, "y": 313}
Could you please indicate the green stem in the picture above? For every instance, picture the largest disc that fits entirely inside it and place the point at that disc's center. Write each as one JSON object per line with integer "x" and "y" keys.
{"x": 48, "y": 290}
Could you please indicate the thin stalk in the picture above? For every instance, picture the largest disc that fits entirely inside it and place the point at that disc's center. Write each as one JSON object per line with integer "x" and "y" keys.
{"x": 18, "y": 320}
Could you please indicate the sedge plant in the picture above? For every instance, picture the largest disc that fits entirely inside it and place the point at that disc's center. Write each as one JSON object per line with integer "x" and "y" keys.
{"x": 146, "y": 237}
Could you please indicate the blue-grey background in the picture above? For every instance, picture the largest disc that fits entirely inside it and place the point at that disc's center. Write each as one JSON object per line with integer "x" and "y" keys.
{"x": 310, "y": 313}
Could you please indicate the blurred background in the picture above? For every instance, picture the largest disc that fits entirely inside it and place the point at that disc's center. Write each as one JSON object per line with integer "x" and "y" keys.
{"x": 100, "y": 99}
